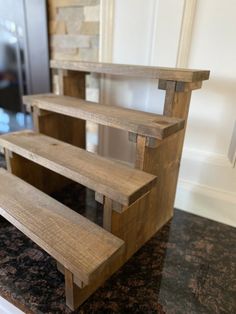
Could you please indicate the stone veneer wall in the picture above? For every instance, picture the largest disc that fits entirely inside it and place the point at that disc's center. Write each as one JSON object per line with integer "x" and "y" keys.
{"x": 74, "y": 35}
{"x": 74, "y": 29}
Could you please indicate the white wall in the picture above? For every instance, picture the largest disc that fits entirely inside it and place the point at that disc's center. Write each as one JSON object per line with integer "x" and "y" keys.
{"x": 149, "y": 32}
{"x": 207, "y": 180}
{"x": 136, "y": 29}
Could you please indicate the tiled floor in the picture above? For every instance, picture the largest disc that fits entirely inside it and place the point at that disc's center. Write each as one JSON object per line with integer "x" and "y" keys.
{"x": 187, "y": 267}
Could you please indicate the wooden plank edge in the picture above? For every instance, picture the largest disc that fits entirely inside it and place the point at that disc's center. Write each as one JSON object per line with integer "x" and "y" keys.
{"x": 126, "y": 200}
{"x": 186, "y": 75}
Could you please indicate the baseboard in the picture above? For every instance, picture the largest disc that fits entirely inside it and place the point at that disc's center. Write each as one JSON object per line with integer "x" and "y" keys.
{"x": 205, "y": 201}
{"x": 8, "y": 308}
{"x": 207, "y": 157}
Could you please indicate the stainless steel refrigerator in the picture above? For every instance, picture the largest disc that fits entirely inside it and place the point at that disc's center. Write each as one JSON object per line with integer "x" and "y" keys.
{"x": 24, "y": 55}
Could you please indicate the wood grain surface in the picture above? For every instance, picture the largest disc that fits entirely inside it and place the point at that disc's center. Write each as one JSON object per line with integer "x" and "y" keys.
{"x": 78, "y": 244}
{"x": 175, "y": 74}
{"x": 144, "y": 123}
{"x": 108, "y": 177}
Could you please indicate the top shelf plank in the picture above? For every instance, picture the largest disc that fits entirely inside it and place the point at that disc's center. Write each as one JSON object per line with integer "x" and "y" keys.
{"x": 172, "y": 74}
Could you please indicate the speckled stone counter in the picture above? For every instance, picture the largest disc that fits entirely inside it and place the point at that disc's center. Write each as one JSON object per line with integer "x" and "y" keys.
{"x": 187, "y": 267}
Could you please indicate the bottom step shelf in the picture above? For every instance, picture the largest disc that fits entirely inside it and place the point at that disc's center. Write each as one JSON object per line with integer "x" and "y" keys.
{"x": 81, "y": 246}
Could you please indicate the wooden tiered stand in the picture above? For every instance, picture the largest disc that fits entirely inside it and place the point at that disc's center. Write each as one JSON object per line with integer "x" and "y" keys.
{"x": 137, "y": 201}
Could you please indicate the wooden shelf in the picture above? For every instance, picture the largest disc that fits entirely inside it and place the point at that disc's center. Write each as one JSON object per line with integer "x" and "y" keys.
{"x": 143, "y": 123}
{"x": 108, "y": 177}
{"x": 78, "y": 244}
{"x": 172, "y": 74}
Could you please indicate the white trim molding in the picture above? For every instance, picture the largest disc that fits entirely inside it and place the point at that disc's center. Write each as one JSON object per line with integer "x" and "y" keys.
{"x": 186, "y": 33}
{"x": 206, "y": 201}
{"x": 106, "y": 30}
{"x": 207, "y": 186}
{"x": 107, "y": 8}
{"x": 206, "y": 157}
{"x": 8, "y": 308}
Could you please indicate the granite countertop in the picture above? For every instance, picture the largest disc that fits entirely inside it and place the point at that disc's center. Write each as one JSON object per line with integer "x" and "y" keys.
{"x": 189, "y": 266}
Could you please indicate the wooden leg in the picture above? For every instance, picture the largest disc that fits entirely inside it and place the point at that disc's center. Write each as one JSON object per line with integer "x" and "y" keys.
{"x": 81, "y": 295}
{"x": 61, "y": 269}
{"x": 8, "y": 157}
{"x": 99, "y": 198}
{"x": 69, "y": 289}
{"x": 107, "y": 213}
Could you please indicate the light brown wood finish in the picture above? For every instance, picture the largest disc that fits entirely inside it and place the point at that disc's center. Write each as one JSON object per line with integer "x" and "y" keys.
{"x": 68, "y": 129}
{"x": 165, "y": 160}
{"x": 69, "y": 288}
{"x": 140, "y": 151}
{"x": 112, "y": 179}
{"x": 139, "y": 221}
{"x": 131, "y": 226}
{"x": 147, "y": 215}
{"x": 148, "y": 124}
{"x": 80, "y": 245}
{"x": 185, "y": 75}
{"x": 170, "y": 86}
{"x": 65, "y": 128}
{"x": 107, "y": 213}
{"x": 59, "y": 126}
{"x": 179, "y": 86}
{"x": 76, "y": 280}
{"x": 72, "y": 83}
{"x": 44, "y": 179}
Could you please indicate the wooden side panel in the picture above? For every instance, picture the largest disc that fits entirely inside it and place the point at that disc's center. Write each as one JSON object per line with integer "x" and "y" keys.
{"x": 131, "y": 225}
{"x": 164, "y": 161}
{"x": 139, "y": 222}
{"x": 147, "y": 215}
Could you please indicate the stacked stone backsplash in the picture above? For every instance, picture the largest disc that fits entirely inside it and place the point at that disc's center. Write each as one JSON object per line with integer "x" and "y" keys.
{"x": 74, "y": 29}
{"x": 74, "y": 35}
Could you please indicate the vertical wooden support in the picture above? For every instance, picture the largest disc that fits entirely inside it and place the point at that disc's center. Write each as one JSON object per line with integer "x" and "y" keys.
{"x": 169, "y": 99}
{"x": 69, "y": 289}
{"x": 8, "y": 156}
{"x": 164, "y": 161}
{"x": 74, "y": 85}
{"x": 140, "y": 151}
{"x": 107, "y": 213}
